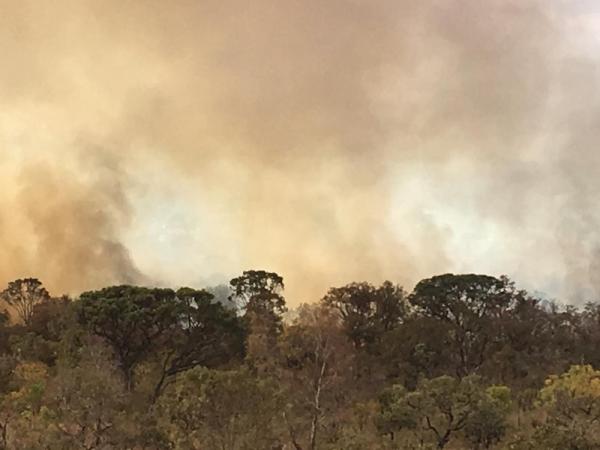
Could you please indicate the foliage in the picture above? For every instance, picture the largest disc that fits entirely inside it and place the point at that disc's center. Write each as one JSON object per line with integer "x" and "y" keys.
{"x": 463, "y": 362}
{"x": 85, "y": 405}
{"x": 440, "y": 408}
{"x": 469, "y": 308}
{"x": 367, "y": 312}
{"x": 131, "y": 319}
{"x": 23, "y": 295}
{"x": 315, "y": 361}
{"x": 573, "y": 407}
{"x": 205, "y": 334}
{"x": 258, "y": 294}
{"x": 229, "y": 410}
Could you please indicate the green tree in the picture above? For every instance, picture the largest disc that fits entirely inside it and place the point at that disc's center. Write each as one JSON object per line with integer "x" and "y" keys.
{"x": 49, "y": 318}
{"x": 469, "y": 308}
{"x": 259, "y": 295}
{"x": 212, "y": 409}
{"x": 572, "y": 402}
{"x": 40, "y": 339}
{"x": 488, "y": 424}
{"x": 133, "y": 321}
{"x": 367, "y": 312}
{"x": 259, "y": 291}
{"x": 437, "y": 410}
{"x": 21, "y": 405}
{"x": 206, "y": 333}
{"x": 85, "y": 407}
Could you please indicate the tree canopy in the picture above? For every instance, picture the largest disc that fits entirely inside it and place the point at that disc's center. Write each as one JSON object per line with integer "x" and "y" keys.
{"x": 463, "y": 361}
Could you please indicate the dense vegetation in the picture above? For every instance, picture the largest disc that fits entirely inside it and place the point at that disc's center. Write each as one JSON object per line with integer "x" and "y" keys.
{"x": 462, "y": 362}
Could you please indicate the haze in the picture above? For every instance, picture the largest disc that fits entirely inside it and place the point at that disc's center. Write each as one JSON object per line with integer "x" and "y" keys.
{"x": 181, "y": 142}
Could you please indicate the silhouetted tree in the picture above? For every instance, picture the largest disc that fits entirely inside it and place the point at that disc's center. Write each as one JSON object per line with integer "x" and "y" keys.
{"x": 368, "y": 311}
{"x": 469, "y": 307}
{"x": 259, "y": 295}
{"x": 206, "y": 334}
{"x": 23, "y": 295}
{"x": 133, "y": 320}
{"x": 258, "y": 291}
{"x": 465, "y": 361}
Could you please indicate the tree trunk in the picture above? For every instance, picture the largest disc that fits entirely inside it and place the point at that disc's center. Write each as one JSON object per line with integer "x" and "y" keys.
{"x": 128, "y": 372}
{"x": 317, "y": 407}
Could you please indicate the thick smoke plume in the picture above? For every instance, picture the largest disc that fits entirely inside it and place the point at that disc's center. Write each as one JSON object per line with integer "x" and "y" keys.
{"x": 182, "y": 142}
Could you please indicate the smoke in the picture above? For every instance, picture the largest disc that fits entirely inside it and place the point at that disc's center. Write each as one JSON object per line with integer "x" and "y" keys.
{"x": 64, "y": 225}
{"x": 182, "y": 142}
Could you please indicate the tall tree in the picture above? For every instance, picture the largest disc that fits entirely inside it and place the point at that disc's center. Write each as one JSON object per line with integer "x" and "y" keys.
{"x": 23, "y": 295}
{"x": 368, "y": 311}
{"x": 258, "y": 291}
{"x": 206, "y": 333}
{"x": 469, "y": 307}
{"x": 316, "y": 358}
{"x": 259, "y": 295}
{"x": 133, "y": 320}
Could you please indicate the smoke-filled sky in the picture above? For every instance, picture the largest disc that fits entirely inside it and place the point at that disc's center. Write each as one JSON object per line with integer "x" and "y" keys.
{"x": 181, "y": 142}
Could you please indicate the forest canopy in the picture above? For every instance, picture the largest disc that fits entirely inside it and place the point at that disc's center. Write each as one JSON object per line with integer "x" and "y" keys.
{"x": 464, "y": 361}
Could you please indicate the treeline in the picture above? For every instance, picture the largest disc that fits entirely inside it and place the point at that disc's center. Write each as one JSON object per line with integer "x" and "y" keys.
{"x": 462, "y": 362}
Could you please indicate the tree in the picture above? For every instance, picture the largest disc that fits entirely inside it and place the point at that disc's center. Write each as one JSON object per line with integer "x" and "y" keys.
{"x": 396, "y": 413}
{"x": 48, "y": 318}
{"x": 136, "y": 368}
{"x": 533, "y": 339}
{"x": 259, "y": 292}
{"x": 180, "y": 329}
{"x": 131, "y": 319}
{"x": 259, "y": 295}
{"x": 437, "y": 410}
{"x": 487, "y": 425}
{"x": 23, "y": 295}
{"x": 468, "y": 307}
{"x": 85, "y": 406}
{"x": 367, "y": 312}
{"x": 417, "y": 349}
{"x": 572, "y": 402}
{"x": 20, "y": 406}
{"x": 589, "y": 333}
{"x": 48, "y": 326}
{"x": 316, "y": 357}
{"x": 228, "y": 410}
{"x": 205, "y": 334}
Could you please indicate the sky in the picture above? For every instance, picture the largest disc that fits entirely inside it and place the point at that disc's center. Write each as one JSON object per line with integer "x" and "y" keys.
{"x": 182, "y": 142}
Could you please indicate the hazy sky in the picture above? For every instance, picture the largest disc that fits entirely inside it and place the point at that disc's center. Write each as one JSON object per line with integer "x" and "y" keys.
{"x": 182, "y": 142}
